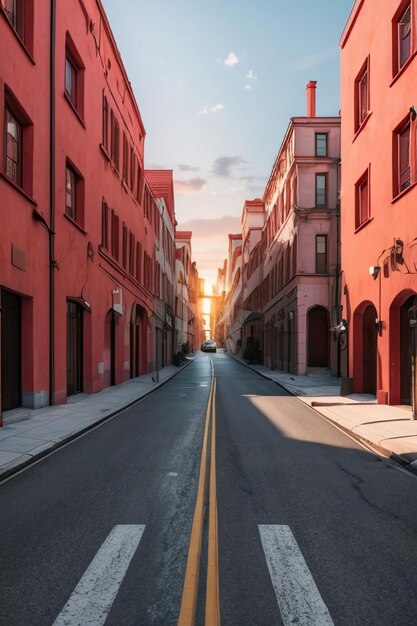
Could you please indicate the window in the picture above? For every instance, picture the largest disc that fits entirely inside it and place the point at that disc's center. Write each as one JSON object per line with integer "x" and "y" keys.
{"x": 132, "y": 245}
{"x": 321, "y": 190}
{"x": 362, "y": 95}
{"x": 74, "y": 194}
{"x": 124, "y": 246}
{"x": 404, "y": 36}
{"x": 362, "y": 209}
{"x": 14, "y": 11}
{"x": 74, "y": 77}
{"x": 17, "y": 144}
{"x": 321, "y": 254}
{"x": 403, "y": 40}
{"x": 139, "y": 184}
{"x": 13, "y": 148}
{"x": 71, "y": 80}
{"x": 404, "y": 158}
{"x": 114, "y": 235}
{"x": 105, "y": 128}
{"x": 138, "y": 262}
{"x": 125, "y": 158}
{"x": 321, "y": 144}
{"x": 70, "y": 197}
{"x": 105, "y": 225}
{"x": 114, "y": 149}
{"x": 132, "y": 169}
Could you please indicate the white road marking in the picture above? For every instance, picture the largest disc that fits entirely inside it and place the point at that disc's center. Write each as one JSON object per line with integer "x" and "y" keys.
{"x": 172, "y": 474}
{"x": 91, "y": 600}
{"x": 298, "y": 598}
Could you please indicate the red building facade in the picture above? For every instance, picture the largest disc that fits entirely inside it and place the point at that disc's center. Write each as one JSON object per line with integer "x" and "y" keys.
{"x": 79, "y": 223}
{"x": 378, "y": 195}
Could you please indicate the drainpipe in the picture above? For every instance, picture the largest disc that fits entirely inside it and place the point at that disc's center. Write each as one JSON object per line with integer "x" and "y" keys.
{"x": 52, "y": 204}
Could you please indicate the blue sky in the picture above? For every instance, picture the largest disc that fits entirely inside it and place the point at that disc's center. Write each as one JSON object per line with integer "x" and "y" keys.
{"x": 217, "y": 83}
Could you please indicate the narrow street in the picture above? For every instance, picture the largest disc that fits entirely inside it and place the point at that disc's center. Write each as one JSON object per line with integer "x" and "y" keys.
{"x": 312, "y": 528}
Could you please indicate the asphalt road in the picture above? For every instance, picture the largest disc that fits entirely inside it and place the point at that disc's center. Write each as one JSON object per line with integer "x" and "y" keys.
{"x": 313, "y": 528}
{"x": 352, "y": 514}
{"x": 141, "y": 468}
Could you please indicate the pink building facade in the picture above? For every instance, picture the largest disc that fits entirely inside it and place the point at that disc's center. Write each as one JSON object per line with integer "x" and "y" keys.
{"x": 378, "y": 196}
{"x": 300, "y": 265}
{"x": 289, "y": 299}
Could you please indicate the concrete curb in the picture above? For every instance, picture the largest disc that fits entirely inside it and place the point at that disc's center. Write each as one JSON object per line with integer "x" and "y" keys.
{"x": 6, "y": 473}
{"x": 401, "y": 459}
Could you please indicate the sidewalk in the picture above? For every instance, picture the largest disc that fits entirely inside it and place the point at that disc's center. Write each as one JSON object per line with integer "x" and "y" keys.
{"x": 29, "y": 434}
{"x": 388, "y": 429}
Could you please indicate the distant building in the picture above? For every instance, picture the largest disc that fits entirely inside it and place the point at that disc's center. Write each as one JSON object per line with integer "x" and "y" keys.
{"x": 282, "y": 291}
{"x": 162, "y": 186}
{"x": 378, "y": 196}
{"x": 300, "y": 266}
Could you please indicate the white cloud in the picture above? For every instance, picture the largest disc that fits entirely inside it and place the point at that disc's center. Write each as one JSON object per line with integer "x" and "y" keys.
{"x": 231, "y": 60}
{"x": 206, "y": 109}
{"x": 247, "y": 86}
{"x": 251, "y": 76}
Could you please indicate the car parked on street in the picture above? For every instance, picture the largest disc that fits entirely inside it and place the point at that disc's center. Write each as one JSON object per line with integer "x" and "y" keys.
{"x": 208, "y": 346}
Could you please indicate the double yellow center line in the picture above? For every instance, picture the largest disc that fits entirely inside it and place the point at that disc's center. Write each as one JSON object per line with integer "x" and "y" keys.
{"x": 190, "y": 590}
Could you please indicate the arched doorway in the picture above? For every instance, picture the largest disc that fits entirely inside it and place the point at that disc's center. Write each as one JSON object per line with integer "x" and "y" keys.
{"x": 405, "y": 356}
{"x": 109, "y": 357}
{"x": 400, "y": 358}
{"x": 369, "y": 349}
{"x": 318, "y": 337}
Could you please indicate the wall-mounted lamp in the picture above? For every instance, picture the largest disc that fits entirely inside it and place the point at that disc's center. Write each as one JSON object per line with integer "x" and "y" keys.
{"x": 374, "y": 271}
{"x": 339, "y": 328}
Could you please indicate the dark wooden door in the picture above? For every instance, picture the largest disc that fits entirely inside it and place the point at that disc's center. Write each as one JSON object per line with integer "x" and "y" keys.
{"x": 11, "y": 350}
{"x": 369, "y": 347}
{"x": 405, "y": 356}
{"x": 318, "y": 337}
{"x": 74, "y": 348}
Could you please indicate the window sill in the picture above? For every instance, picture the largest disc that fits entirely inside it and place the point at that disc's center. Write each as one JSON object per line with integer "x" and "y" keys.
{"x": 365, "y": 223}
{"x": 18, "y": 188}
{"x": 362, "y": 126}
{"x": 77, "y": 114}
{"x": 18, "y": 37}
{"x": 404, "y": 67}
{"x": 76, "y": 224}
{"x": 403, "y": 192}
{"x": 105, "y": 152}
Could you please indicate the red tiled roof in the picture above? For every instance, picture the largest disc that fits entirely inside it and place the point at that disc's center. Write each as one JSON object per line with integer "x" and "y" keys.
{"x": 162, "y": 185}
{"x": 183, "y": 234}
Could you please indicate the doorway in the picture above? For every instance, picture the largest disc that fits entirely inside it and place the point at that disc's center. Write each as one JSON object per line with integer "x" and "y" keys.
{"x": 405, "y": 357}
{"x": 109, "y": 376}
{"x": 318, "y": 337}
{"x": 74, "y": 348}
{"x": 369, "y": 350}
{"x": 11, "y": 350}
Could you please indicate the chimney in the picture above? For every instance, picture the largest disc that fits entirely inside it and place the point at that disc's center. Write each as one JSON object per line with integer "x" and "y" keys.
{"x": 311, "y": 98}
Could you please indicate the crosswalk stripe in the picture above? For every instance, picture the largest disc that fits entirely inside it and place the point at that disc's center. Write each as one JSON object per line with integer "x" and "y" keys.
{"x": 91, "y": 600}
{"x": 298, "y": 598}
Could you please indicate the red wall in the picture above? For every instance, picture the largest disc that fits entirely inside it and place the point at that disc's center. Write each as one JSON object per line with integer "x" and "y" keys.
{"x": 26, "y": 75}
{"x": 84, "y": 269}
